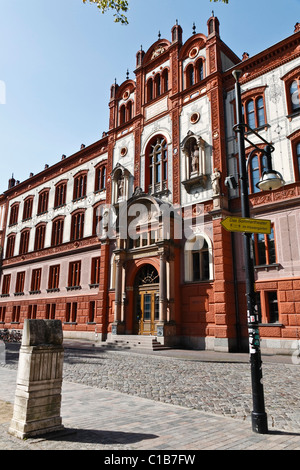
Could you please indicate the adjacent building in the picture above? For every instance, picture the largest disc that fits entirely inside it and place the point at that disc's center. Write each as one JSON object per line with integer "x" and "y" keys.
{"x": 124, "y": 237}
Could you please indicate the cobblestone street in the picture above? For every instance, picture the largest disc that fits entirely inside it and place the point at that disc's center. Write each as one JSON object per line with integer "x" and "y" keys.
{"x": 222, "y": 388}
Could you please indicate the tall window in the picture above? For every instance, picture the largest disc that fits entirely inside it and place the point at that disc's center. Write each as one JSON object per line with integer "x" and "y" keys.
{"x": 198, "y": 264}
{"x": 92, "y": 310}
{"x": 256, "y": 167}
{"x": 39, "y": 241}
{"x": 27, "y": 210}
{"x": 6, "y": 284}
{"x": 50, "y": 311}
{"x": 43, "y": 201}
{"x": 53, "y": 282}
{"x": 100, "y": 178}
{"x": 31, "y": 313}
{"x": 60, "y": 194}
{"x": 79, "y": 186}
{"x": 74, "y": 274}
{"x": 77, "y": 226}
{"x": 95, "y": 271}
{"x": 298, "y": 160}
{"x": 24, "y": 242}
{"x": 255, "y": 112}
{"x": 10, "y": 245}
{"x": 71, "y": 312}
{"x": 36, "y": 280}
{"x": 16, "y": 314}
{"x": 158, "y": 164}
{"x": 272, "y": 307}
{"x": 20, "y": 281}
{"x": 190, "y": 75}
{"x": 2, "y": 314}
{"x": 57, "y": 232}
{"x": 150, "y": 89}
{"x": 264, "y": 248}
{"x": 14, "y": 213}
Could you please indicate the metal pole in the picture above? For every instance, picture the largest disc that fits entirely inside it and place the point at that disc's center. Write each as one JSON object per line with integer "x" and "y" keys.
{"x": 259, "y": 417}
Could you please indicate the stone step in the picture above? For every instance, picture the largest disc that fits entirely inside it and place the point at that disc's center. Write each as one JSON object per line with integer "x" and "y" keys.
{"x": 134, "y": 342}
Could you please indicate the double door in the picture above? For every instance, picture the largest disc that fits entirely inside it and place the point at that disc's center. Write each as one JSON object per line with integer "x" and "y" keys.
{"x": 147, "y": 311}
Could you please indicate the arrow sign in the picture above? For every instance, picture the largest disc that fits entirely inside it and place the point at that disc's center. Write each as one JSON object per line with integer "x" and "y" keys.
{"x": 242, "y": 224}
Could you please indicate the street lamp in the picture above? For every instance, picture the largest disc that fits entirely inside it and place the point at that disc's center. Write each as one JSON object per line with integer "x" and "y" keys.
{"x": 270, "y": 180}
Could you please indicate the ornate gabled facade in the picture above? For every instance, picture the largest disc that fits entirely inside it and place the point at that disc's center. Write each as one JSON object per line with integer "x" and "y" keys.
{"x": 125, "y": 238}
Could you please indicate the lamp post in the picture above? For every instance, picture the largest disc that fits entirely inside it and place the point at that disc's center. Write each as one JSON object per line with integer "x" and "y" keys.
{"x": 272, "y": 181}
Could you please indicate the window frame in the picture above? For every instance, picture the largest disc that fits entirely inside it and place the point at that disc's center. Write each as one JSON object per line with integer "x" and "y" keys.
{"x": 80, "y": 185}
{"x": 10, "y": 245}
{"x": 27, "y": 208}
{"x": 24, "y": 241}
{"x": 43, "y": 201}
{"x": 14, "y": 213}
{"x": 77, "y": 225}
{"x": 60, "y": 194}
{"x": 74, "y": 276}
{"x": 57, "y": 231}
{"x": 40, "y": 235}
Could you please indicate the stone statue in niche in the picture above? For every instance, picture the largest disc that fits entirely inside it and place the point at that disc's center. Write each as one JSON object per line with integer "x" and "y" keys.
{"x": 195, "y": 159}
{"x": 121, "y": 187}
{"x": 215, "y": 181}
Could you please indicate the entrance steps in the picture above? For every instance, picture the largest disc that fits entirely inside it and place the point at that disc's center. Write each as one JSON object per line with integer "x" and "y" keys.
{"x": 122, "y": 342}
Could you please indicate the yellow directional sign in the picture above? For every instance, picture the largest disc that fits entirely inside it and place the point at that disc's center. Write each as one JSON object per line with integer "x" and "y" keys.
{"x": 242, "y": 224}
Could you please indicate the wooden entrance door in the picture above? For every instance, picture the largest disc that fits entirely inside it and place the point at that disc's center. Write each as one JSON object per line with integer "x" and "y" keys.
{"x": 147, "y": 311}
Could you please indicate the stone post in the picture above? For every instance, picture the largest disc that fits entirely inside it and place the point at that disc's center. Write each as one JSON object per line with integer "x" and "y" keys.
{"x": 39, "y": 380}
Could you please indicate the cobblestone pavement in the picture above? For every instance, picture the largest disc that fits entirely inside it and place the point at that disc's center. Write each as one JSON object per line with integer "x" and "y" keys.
{"x": 222, "y": 388}
{"x": 219, "y": 389}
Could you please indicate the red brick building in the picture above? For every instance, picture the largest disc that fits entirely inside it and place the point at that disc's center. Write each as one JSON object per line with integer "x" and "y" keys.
{"x": 124, "y": 237}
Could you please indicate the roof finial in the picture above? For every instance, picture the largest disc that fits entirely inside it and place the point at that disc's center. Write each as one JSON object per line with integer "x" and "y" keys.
{"x": 127, "y": 75}
{"x": 159, "y": 35}
{"x": 212, "y": 13}
{"x": 194, "y": 28}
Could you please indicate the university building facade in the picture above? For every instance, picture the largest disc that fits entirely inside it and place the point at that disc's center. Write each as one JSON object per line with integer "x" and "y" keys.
{"x": 124, "y": 237}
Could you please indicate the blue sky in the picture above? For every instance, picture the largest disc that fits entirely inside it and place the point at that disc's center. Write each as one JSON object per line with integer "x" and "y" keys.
{"x": 58, "y": 59}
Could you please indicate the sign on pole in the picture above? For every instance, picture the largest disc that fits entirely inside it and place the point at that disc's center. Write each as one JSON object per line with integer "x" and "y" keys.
{"x": 242, "y": 224}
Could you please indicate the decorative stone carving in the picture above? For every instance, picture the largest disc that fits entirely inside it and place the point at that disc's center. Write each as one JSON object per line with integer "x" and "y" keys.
{"x": 215, "y": 182}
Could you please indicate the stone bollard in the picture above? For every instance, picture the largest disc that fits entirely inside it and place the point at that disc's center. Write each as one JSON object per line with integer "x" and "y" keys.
{"x": 39, "y": 380}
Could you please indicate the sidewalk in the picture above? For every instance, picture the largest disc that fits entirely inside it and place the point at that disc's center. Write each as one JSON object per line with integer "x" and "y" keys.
{"x": 96, "y": 419}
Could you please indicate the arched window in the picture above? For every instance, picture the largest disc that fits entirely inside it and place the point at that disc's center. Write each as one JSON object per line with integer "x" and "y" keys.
{"x": 260, "y": 111}
{"x": 200, "y": 70}
{"x": 60, "y": 194}
{"x": 150, "y": 90}
{"x": 190, "y": 75}
{"x": 165, "y": 80}
{"x": 122, "y": 114}
{"x": 250, "y": 116}
{"x": 79, "y": 186}
{"x": 27, "y": 210}
{"x": 77, "y": 225}
{"x": 40, "y": 232}
{"x": 57, "y": 231}
{"x": 257, "y": 165}
{"x": 14, "y": 213}
{"x": 198, "y": 259}
{"x": 10, "y": 245}
{"x": 43, "y": 201}
{"x": 24, "y": 242}
{"x": 157, "y": 83}
{"x": 158, "y": 164}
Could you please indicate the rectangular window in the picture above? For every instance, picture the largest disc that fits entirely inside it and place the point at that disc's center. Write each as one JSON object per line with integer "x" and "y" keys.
{"x": 36, "y": 280}
{"x": 53, "y": 282}
{"x": 20, "y": 282}
{"x": 92, "y": 309}
{"x": 31, "y": 314}
{"x": 77, "y": 227}
{"x": 24, "y": 242}
{"x": 272, "y": 305}
{"x": 6, "y": 284}
{"x": 74, "y": 274}
{"x": 50, "y": 311}
{"x": 95, "y": 273}
{"x": 71, "y": 312}
{"x": 2, "y": 314}
{"x": 16, "y": 314}
{"x": 264, "y": 249}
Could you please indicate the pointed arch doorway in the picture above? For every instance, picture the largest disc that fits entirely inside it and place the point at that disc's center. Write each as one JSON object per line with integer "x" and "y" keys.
{"x": 146, "y": 301}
